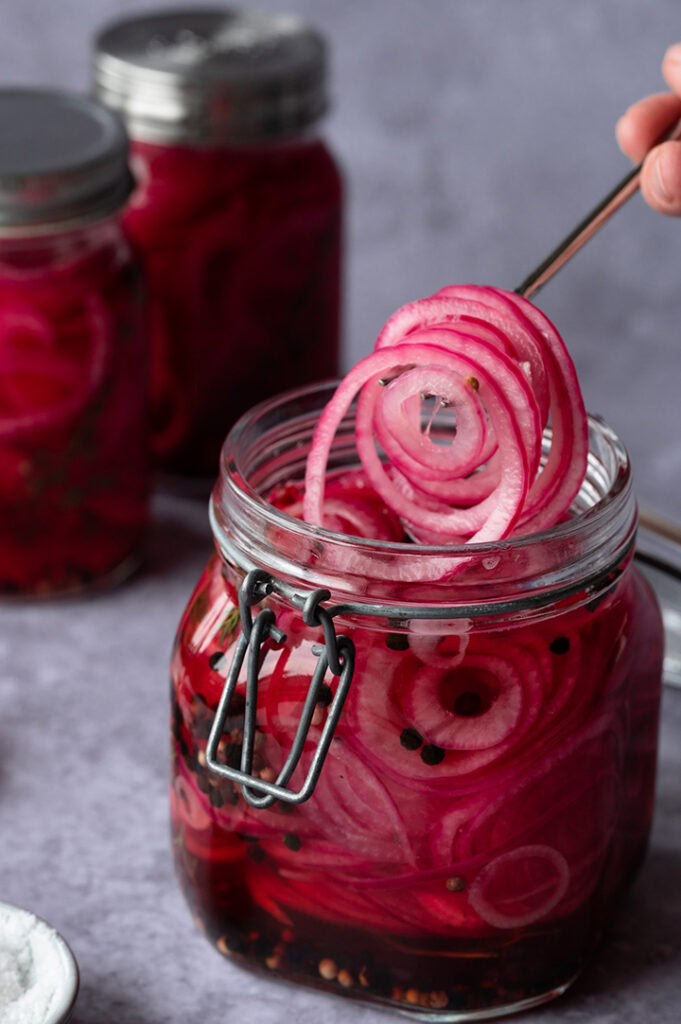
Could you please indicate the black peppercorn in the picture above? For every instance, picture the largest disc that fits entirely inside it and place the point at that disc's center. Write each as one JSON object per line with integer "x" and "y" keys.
{"x": 233, "y": 755}
{"x": 410, "y": 739}
{"x": 325, "y": 695}
{"x": 432, "y": 755}
{"x": 262, "y": 947}
{"x": 237, "y": 705}
{"x": 292, "y": 841}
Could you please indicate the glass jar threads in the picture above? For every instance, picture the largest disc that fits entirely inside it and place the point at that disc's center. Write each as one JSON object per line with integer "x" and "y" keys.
{"x": 237, "y": 214}
{"x": 480, "y": 751}
{"x": 73, "y": 382}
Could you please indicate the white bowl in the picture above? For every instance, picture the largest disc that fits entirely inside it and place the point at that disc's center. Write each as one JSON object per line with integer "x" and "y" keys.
{"x": 51, "y": 950}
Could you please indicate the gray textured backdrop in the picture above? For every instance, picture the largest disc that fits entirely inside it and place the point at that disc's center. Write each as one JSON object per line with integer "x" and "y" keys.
{"x": 473, "y": 134}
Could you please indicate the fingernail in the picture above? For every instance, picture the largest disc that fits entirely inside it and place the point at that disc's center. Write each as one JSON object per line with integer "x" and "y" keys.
{"x": 623, "y": 134}
{"x": 673, "y": 54}
{"x": 658, "y": 183}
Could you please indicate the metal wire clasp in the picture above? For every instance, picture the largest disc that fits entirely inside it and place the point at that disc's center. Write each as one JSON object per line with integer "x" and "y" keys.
{"x": 337, "y": 653}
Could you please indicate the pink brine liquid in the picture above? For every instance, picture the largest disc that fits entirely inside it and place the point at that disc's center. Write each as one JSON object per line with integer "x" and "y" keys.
{"x": 486, "y": 797}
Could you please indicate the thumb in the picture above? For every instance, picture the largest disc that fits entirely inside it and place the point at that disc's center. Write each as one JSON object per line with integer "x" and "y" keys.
{"x": 661, "y": 178}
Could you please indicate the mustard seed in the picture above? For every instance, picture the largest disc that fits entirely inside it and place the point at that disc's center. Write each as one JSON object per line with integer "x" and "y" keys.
{"x": 328, "y": 969}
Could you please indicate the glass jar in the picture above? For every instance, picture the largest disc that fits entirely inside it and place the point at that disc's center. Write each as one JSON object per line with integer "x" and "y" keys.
{"x": 487, "y": 791}
{"x": 237, "y": 215}
{"x": 73, "y": 383}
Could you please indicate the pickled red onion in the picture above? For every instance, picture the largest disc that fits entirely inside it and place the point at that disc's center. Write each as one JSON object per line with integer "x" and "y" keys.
{"x": 351, "y": 506}
{"x": 534, "y": 891}
{"x": 495, "y": 515}
{"x": 41, "y": 387}
{"x": 474, "y": 473}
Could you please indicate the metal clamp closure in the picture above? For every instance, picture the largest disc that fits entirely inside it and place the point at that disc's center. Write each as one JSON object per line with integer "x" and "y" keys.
{"x": 337, "y": 653}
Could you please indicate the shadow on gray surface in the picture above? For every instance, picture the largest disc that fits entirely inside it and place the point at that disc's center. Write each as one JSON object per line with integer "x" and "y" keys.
{"x": 179, "y": 536}
{"x": 106, "y": 1001}
{"x": 645, "y": 939}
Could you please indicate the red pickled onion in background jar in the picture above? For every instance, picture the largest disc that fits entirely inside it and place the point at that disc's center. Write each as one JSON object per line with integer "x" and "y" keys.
{"x": 74, "y": 472}
{"x": 237, "y": 214}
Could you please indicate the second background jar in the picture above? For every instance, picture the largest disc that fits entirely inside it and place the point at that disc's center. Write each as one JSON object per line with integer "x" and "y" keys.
{"x": 237, "y": 214}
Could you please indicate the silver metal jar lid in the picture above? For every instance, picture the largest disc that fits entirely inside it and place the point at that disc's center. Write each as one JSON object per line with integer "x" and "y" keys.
{"x": 212, "y": 75}
{"x": 63, "y": 160}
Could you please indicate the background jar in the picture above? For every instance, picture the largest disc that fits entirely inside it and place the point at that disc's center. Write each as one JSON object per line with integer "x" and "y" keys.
{"x": 237, "y": 214}
{"x": 73, "y": 382}
{"x": 488, "y": 791}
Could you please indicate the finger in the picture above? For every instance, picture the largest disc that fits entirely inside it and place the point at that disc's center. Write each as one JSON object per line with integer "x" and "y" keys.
{"x": 643, "y": 123}
{"x": 671, "y": 68}
{"x": 661, "y": 178}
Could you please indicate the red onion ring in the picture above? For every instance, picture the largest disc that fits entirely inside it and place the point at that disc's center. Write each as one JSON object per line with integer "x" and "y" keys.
{"x": 503, "y": 371}
{"x": 495, "y": 515}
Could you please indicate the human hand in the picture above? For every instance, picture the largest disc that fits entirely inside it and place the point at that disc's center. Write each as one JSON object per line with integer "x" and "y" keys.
{"x": 646, "y": 121}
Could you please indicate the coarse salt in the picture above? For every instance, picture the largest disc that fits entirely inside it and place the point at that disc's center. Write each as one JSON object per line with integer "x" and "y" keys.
{"x": 31, "y": 967}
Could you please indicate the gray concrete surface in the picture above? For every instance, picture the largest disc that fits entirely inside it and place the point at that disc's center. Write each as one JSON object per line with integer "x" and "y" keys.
{"x": 84, "y": 823}
{"x": 473, "y": 134}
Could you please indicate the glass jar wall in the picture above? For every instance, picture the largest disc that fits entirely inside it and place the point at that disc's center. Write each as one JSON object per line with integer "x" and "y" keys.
{"x": 237, "y": 214}
{"x": 73, "y": 386}
{"x": 488, "y": 791}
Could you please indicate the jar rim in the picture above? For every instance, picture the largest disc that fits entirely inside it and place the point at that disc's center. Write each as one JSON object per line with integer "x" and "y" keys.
{"x": 603, "y": 531}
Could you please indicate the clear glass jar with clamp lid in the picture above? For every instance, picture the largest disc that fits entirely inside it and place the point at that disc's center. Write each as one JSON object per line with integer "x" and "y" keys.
{"x": 423, "y": 793}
